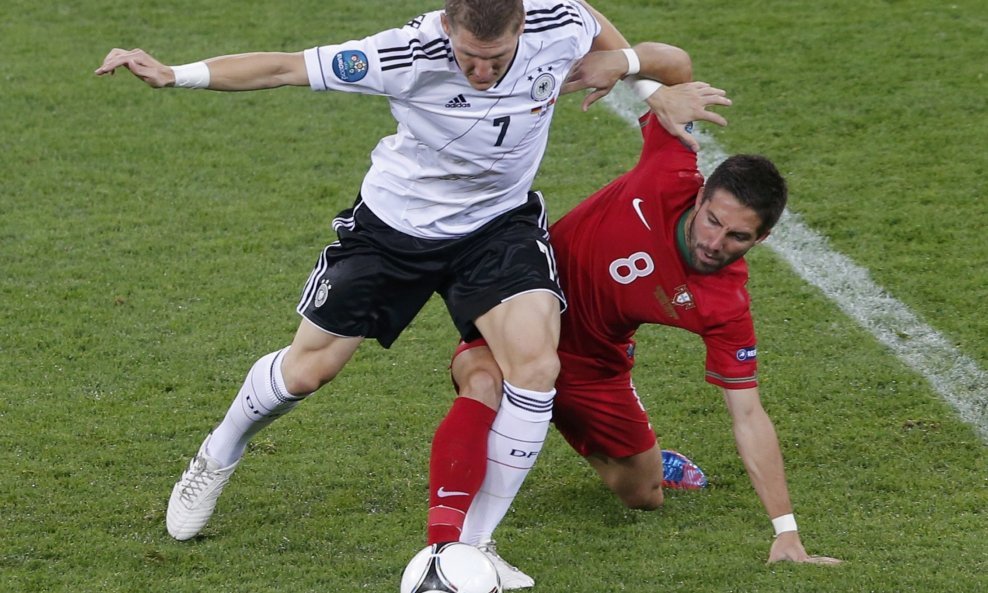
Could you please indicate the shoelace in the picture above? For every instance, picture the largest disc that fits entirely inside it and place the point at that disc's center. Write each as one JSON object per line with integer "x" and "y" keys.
{"x": 491, "y": 548}
{"x": 673, "y": 468}
{"x": 197, "y": 478}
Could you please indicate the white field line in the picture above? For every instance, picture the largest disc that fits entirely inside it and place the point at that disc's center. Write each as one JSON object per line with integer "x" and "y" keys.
{"x": 956, "y": 377}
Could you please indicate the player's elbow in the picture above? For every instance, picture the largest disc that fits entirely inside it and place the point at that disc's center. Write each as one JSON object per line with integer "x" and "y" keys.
{"x": 675, "y": 65}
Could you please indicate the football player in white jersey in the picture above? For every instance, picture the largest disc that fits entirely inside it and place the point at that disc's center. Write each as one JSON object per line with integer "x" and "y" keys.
{"x": 446, "y": 207}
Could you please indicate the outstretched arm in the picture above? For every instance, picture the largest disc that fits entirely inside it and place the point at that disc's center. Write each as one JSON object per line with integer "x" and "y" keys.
{"x": 759, "y": 448}
{"x": 240, "y": 72}
{"x": 675, "y": 106}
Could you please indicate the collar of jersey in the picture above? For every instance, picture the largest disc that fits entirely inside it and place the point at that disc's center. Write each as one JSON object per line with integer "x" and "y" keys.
{"x": 681, "y": 243}
{"x": 510, "y": 64}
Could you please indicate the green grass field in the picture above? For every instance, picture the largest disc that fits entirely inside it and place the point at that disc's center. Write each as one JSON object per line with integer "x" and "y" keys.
{"x": 154, "y": 243}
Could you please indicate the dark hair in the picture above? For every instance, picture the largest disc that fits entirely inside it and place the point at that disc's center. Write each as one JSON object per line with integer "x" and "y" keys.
{"x": 756, "y": 184}
{"x": 486, "y": 19}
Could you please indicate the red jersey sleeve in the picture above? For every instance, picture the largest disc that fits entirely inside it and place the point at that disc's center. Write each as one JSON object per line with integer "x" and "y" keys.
{"x": 728, "y": 330}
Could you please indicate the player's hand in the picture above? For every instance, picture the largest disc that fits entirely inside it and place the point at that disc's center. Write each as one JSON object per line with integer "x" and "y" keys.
{"x": 788, "y": 548}
{"x": 598, "y": 70}
{"x": 142, "y": 65}
{"x": 678, "y": 105}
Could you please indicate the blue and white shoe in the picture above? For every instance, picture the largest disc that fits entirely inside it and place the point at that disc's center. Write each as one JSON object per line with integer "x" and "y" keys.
{"x": 679, "y": 473}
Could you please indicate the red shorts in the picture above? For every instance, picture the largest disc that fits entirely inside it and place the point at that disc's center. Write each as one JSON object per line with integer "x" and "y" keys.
{"x": 603, "y": 416}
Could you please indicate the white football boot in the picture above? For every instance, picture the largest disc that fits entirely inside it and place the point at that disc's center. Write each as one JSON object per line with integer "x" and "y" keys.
{"x": 194, "y": 495}
{"x": 511, "y": 577}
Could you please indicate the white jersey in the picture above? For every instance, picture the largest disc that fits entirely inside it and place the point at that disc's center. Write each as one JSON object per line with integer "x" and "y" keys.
{"x": 460, "y": 157}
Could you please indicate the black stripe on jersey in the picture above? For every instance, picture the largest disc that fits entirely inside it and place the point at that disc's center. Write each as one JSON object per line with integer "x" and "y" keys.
{"x": 560, "y": 15}
{"x": 403, "y": 56}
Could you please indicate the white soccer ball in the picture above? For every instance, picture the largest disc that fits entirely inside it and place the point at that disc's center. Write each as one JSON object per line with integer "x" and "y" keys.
{"x": 450, "y": 568}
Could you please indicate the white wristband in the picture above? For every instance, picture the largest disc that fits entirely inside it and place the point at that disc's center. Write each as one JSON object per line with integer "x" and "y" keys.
{"x": 784, "y": 523}
{"x": 642, "y": 87}
{"x": 191, "y": 76}
{"x": 634, "y": 64}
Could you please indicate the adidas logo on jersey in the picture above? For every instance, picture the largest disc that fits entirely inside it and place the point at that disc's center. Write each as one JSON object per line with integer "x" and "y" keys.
{"x": 457, "y": 102}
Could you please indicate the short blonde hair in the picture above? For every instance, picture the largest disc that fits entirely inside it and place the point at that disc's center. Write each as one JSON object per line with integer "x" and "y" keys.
{"x": 486, "y": 19}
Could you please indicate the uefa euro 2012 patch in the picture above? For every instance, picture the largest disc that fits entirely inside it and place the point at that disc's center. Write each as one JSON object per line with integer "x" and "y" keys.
{"x": 350, "y": 65}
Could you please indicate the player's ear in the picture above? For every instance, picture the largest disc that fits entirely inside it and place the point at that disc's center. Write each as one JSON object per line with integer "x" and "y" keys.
{"x": 445, "y": 23}
{"x": 520, "y": 28}
{"x": 699, "y": 197}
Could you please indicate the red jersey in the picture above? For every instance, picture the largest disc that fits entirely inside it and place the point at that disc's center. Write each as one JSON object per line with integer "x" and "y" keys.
{"x": 621, "y": 265}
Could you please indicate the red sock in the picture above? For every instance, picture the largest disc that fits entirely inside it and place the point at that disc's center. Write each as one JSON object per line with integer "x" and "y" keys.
{"x": 457, "y": 466}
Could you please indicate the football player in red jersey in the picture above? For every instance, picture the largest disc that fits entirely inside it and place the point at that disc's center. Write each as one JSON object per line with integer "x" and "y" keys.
{"x": 657, "y": 245}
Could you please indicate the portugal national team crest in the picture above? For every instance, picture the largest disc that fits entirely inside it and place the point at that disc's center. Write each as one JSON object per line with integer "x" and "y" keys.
{"x": 543, "y": 86}
{"x": 683, "y": 297}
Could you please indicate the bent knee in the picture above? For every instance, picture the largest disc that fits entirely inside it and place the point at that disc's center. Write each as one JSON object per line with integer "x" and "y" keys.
{"x": 484, "y": 386}
{"x": 306, "y": 373}
{"x": 477, "y": 376}
{"x": 537, "y": 372}
{"x": 299, "y": 385}
{"x": 643, "y": 499}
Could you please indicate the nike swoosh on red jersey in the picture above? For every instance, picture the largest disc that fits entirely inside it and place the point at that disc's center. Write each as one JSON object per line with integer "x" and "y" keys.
{"x": 637, "y": 205}
{"x": 442, "y": 493}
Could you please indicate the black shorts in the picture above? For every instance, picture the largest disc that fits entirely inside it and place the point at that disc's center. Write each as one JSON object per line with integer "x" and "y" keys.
{"x": 374, "y": 280}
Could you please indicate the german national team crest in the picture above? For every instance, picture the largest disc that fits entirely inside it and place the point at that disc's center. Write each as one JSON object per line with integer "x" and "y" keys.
{"x": 683, "y": 297}
{"x": 543, "y": 86}
{"x": 322, "y": 293}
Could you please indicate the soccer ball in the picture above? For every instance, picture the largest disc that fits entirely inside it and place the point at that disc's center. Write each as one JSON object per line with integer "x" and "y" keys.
{"x": 450, "y": 568}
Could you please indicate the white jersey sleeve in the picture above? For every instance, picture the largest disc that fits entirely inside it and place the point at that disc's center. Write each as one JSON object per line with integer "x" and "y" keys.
{"x": 560, "y": 15}
{"x": 377, "y": 64}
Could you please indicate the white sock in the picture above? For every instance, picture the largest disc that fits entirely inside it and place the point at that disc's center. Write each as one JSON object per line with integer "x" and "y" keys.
{"x": 513, "y": 445}
{"x": 262, "y": 399}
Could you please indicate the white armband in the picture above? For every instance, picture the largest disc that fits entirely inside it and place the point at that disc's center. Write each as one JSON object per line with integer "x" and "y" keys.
{"x": 634, "y": 64}
{"x": 784, "y": 523}
{"x": 191, "y": 76}
{"x": 642, "y": 87}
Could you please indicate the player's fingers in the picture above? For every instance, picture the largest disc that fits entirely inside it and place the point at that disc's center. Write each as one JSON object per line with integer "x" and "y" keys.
{"x": 108, "y": 67}
{"x": 128, "y": 63}
{"x": 115, "y": 53}
{"x": 117, "y": 58}
{"x": 688, "y": 139}
{"x": 110, "y": 63}
{"x": 717, "y": 100}
{"x": 572, "y": 84}
{"x": 822, "y": 560}
{"x": 714, "y": 118}
{"x": 593, "y": 97}
{"x": 709, "y": 90}
{"x": 575, "y": 80}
